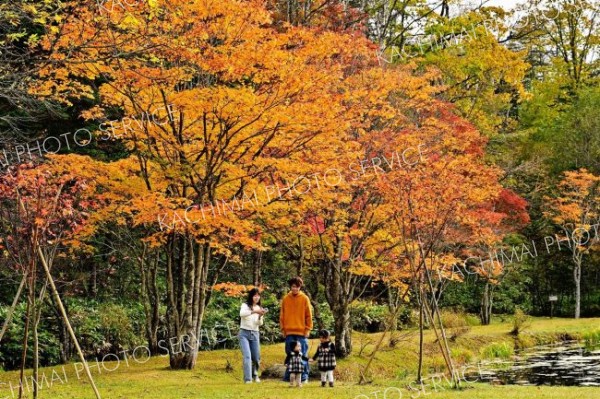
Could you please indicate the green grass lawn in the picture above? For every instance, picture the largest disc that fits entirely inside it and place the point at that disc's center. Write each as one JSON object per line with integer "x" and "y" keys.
{"x": 393, "y": 369}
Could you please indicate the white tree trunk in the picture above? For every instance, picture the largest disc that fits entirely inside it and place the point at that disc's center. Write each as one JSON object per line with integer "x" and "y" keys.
{"x": 577, "y": 277}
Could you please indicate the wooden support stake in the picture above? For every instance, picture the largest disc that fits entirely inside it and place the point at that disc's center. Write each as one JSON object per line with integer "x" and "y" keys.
{"x": 11, "y": 311}
{"x": 66, "y": 319}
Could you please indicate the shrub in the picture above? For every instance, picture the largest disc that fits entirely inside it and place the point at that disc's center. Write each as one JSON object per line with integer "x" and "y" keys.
{"x": 472, "y": 320}
{"x": 221, "y": 321}
{"x": 117, "y": 328}
{"x": 368, "y": 317}
{"x": 520, "y": 322}
{"x": 407, "y": 318}
{"x": 524, "y": 341}
{"x": 502, "y": 350}
{"x": 592, "y": 338}
{"x": 84, "y": 318}
{"x": 462, "y": 355}
{"x": 107, "y": 327}
{"x": 455, "y": 324}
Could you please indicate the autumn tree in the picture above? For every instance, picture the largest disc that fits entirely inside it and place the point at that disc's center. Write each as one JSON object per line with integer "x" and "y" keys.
{"x": 576, "y": 209}
{"x": 508, "y": 215}
{"x": 218, "y": 121}
{"x": 443, "y": 204}
{"x": 43, "y": 210}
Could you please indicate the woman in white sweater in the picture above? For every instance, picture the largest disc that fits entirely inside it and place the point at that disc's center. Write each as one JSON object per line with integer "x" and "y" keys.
{"x": 251, "y": 315}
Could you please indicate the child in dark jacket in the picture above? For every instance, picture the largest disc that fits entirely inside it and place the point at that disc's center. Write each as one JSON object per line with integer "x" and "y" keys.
{"x": 295, "y": 364}
{"x": 325, "y": 357}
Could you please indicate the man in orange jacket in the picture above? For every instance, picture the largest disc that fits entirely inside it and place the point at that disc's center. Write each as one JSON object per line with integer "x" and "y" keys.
{"x": 295, "y": 320}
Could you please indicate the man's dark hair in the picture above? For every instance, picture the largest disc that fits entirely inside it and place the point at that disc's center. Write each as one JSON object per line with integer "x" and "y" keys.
{"x": 324, "y": 334}
{"x": 295, "y": 281}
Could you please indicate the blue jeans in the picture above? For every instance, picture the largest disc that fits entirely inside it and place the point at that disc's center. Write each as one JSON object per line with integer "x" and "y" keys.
{"x": 288, "y": 348}
{"x": 250, "y": 345}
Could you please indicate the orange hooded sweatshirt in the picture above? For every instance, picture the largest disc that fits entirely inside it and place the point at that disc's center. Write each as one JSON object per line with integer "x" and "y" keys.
{"x": 295, "y": 317}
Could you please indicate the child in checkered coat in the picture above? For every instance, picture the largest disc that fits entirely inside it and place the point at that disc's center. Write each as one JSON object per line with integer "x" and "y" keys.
{"x": 325, "y": 357}
{"x": 295, "y": 364}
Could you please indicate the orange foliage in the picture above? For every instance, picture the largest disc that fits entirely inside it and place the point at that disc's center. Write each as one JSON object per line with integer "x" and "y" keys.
{"x": 244, "y": 105}
{"x": 234, "y": 289}
{"x": 577, "y": 206}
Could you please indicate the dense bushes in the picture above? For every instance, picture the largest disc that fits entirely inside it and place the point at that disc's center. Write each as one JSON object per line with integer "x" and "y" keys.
{"x": 107, "y": 327}
{"x": 100, "y": 329}
{"x": 326, "y": 317}
{"x": 370, "y": 317}
{"x": 12, "y": 343}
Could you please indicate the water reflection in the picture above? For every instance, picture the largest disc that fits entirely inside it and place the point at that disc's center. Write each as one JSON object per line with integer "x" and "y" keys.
{"x": 566, "y": 364}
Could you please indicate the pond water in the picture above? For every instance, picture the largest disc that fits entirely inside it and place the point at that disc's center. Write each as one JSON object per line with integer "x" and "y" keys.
{"x": 568, "y": 363}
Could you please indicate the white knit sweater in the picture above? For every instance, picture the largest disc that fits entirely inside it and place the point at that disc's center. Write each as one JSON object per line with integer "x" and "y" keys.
{"x": 249, "y": 320}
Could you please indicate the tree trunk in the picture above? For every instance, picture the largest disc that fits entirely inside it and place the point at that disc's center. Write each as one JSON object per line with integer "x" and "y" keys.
{"x": 485, "y": 313}
{"x": 182, "y": 332}
{"x": 577, "y": 278}
{"x": 190, "y": 262}
{"x": 421, "y": 337}
{"x": 66, "y": 347}
{"x": 36, "y": 356}
{"x": 150, "y": 299}
{"x": 94, "y": 280}
{"x": 312, "y": 294}
{"x": 257, "y": 270}
{"x": 339, "y": 293}
{"x": 36, "y": 344}
{"x": 300, "y": 264}
{"x": 203, "y": 286}
{"x": 342, "y": 330}
{"x": 393, "y": 305}
{"x": 154, "y": 296}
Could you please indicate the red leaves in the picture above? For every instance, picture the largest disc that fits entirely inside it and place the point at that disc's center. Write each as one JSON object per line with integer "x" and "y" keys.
{"x": 316, "y": 224}
{"x": 515, "y": 207}
{"x": 40, "y": 205}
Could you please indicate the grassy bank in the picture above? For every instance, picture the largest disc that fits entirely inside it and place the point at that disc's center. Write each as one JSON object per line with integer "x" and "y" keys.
{"x": 393, "y": 369}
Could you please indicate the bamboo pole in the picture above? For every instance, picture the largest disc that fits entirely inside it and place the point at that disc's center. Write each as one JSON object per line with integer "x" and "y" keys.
{"x": 11, "y": 311}
{"x": 62, "y": 310}
{"x": 445, "y": 348}
{"x": 66, "y": 319}
{"x": 25, "y": 341}
{"x": 380, "y": 342}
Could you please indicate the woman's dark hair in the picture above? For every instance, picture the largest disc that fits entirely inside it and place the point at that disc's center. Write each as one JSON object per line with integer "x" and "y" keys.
{"x": 249, "y": 300}
{"x": 295, "y": 281}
